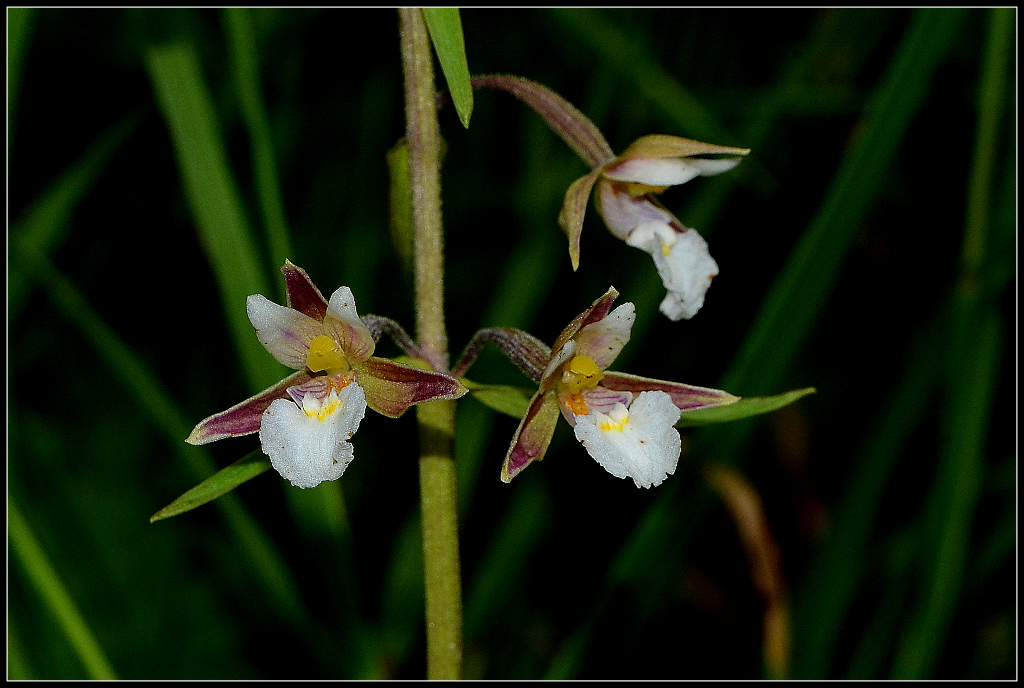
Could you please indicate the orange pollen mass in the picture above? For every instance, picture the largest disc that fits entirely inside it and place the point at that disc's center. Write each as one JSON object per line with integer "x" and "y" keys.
{"x": 577, "y": 404}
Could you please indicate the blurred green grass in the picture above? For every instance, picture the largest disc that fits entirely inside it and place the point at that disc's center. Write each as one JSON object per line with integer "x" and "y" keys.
{"x": 188, "y": 169}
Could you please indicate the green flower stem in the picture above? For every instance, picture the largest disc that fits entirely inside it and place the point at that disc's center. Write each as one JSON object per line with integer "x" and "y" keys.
{"x": 442, "y": 579}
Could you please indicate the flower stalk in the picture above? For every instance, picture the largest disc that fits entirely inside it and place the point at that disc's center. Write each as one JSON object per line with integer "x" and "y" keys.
{"x": 442, "y": 578}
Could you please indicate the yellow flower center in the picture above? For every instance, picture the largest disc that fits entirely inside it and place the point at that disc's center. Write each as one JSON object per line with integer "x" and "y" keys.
{"x": 313, "y": 408}
{"x": 616, "y": 421}
{"x": 579, "y": 374}
{"x": 325, "y": 354}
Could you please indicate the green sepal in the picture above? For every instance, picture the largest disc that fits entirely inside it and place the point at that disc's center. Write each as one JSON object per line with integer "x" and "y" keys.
{"x": 220, "y": 483}
{"x": 746, "y": 407}
{"x": 445, "y": 28}
{"x": 508, "y": 399}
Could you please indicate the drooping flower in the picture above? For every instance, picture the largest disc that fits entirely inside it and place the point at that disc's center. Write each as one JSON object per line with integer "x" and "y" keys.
{"x": 625, "y": 422}
{"x": 306, "y": 420}
{"x": 627, "y": 188}
{"x": 626, "y": 196}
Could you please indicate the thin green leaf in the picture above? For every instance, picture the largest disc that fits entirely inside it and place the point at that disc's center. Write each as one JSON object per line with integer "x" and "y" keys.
{"x": 223, "y": 481}
{"x": 445, "y": 30}
{"x": 185, "y": 101}
{"x": 55, "y": 596}
{"x": 746, "y": 407}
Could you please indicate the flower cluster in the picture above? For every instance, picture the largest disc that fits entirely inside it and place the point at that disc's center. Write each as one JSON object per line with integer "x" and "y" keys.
{"x": 625, "y": 422}
{"x": 305, "y": 421}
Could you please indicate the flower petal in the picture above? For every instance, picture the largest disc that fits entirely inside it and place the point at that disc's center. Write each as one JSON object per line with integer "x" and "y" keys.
{"x": 284, "y": 332}
{"x": 653, "y": 171}
{"x": 686, "y": 271}
{"x": 303, "y": 295}
{"x": 603, "y": 340}
{"x": 392, "y": 387}
{"x": 574, "y": 207}
{"x": 631, "y": 218}
{"x": 344, "y": 326}
{"x": 639, "y": 443}
{"x": 597, "y": 311}
{"x": 306, "y": 450}
{"x": 533, "y": 434}
{"x": 244, "y": 418}
{"x": 711, "y": 166}
{"x": 685, "y": 397}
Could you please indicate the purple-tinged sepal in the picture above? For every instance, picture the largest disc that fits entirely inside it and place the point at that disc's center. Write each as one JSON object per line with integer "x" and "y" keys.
{"x": 306, "y": 420}
{"x": 685, "y": 397}
{"x": 244, "y": 418}
{"x": 392, "y": 387}
{"x": 532, "y": 436}
{"x": 625, "y": 422}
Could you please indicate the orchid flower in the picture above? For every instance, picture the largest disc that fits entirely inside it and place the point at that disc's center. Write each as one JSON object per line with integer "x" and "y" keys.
{"x": 627, "y": 186}
{"x": 305, "y": 421}
{"x": 625, "y": 422}
{"x": 626, "y": 198}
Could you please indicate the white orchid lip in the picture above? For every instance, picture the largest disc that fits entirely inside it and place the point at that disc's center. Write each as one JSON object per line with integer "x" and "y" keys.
{"x": 307, "y": 436}
{"x": 640, "y": 442}
{"x": 686, "y": 269}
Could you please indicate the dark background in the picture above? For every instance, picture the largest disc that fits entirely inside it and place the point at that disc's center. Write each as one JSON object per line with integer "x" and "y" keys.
{"x": 890, "y": 492}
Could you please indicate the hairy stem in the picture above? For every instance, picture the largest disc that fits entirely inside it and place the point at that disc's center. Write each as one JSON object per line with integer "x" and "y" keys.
{"x": 442, "y": 578}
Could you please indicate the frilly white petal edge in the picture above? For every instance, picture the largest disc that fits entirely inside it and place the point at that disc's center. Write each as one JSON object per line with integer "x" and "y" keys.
{"x": 639, "y": 443}
{"x": 686, "y": 271}
{"x": 307, "y": 451}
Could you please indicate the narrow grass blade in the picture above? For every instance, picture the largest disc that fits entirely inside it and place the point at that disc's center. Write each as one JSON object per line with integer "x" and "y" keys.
{"x": 806, "y": 281}
{"x": 128, "y": 368}
{"x": 55, "y": 596}
{"x": 245, "y": 62}
{"x": 185, "y": 102}
{"x": 971, "y": 380}
{"x": 45, "y": 222}
{"x": 20, "y": 21}
{"x": 445, "y": 30}
{"x": 971, "y": 377}
{"x": 826, "y": 595}
{"x": 223, "y": 481}
{"x": 809, "y": 276}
